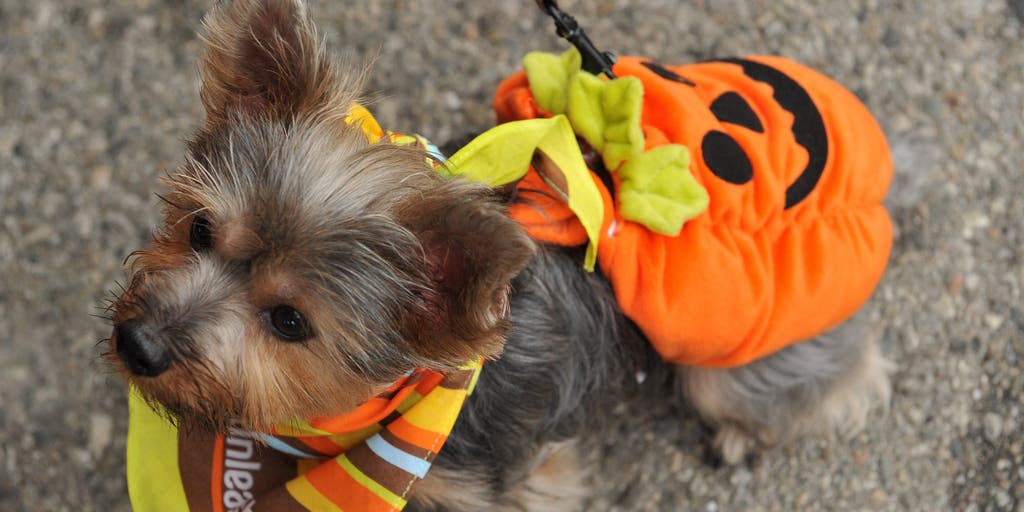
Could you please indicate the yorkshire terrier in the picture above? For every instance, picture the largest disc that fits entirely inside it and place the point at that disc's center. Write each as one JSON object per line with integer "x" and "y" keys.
{"x": 301, "y": 269}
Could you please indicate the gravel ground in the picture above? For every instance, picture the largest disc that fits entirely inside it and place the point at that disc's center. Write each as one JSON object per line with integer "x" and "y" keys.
{"x": 95, "y": 97}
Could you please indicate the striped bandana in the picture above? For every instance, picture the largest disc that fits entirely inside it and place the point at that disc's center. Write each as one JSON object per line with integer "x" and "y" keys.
{"x": 367, "y": 460}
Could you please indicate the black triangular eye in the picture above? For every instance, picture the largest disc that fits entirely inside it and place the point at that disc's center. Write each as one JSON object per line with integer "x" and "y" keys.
{"x": 732, "y": 108}
{"x": 666, "y": 73}
{"x": 199, "y": 236}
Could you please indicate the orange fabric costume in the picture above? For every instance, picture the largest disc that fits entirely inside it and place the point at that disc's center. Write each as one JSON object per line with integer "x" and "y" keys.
{"x": 795, "y": 237}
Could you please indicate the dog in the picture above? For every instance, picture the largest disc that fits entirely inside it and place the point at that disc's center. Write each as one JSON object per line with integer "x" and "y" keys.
{"x": 301, "y": 271}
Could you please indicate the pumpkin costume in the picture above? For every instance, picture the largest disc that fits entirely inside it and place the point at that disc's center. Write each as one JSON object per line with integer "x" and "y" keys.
{"x": 775, "y": 232}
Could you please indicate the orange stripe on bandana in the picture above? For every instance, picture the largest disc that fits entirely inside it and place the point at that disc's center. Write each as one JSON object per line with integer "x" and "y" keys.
{"x": 217, "y": 472}
{"x": 337, "y": 484}
{"x": 423, "y": 438}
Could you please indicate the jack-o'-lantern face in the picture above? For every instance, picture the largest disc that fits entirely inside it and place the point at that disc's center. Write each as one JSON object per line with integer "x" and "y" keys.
{"x": 729, "y": 138}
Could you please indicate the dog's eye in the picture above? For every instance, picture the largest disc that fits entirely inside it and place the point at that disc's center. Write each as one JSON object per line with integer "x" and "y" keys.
{"x": 289, "y": 325}
{"x": 199, "y": 235}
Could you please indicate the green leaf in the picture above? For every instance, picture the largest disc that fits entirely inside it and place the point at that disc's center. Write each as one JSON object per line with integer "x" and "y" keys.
{"x": 607, "y": 113}
{"x": 658, "y": 191}
{"x": 549, "y": 76}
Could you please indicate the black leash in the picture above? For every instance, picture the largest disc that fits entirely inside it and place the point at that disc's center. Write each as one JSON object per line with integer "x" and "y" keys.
{"x": 594, "y": 61}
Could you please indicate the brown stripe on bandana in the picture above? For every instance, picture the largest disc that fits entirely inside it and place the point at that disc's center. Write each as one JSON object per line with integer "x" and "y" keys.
{"x": 406, "y": 447}
{"x": 391, "y": 477}
{"x": 195, "y": 461}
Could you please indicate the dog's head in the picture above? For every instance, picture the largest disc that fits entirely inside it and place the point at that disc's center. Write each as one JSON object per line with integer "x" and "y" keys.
{"x": 301, "y": 268}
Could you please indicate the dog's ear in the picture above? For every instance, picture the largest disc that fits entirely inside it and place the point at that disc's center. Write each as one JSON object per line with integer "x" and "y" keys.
{"x": 473, "y": 251}
{"x": 263, "y": 58}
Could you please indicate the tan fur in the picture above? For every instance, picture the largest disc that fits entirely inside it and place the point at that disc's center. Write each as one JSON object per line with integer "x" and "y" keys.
{"x": 454, "y": 491}
{"x": 848, "y": 405}
{"x": 236, "y": 240}
{"x": 841, "y": 413}
{"x": 272, "y": 393}
{"x": 556, "y": 484}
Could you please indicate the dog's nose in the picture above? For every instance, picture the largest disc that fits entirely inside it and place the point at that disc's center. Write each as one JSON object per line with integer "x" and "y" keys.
{"x": 142, "y": 354}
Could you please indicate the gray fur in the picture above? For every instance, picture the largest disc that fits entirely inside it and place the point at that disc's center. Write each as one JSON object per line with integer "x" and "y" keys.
{"x": 570, "y": 356}
{"x": 774, "y": 390}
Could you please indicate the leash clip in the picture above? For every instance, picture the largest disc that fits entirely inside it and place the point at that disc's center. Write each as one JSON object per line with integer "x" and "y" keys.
{"x": 594, "y": 61}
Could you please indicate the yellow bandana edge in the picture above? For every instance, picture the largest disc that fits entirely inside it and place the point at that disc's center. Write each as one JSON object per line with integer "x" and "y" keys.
{"x": 154, "y": 482}
{"x": 503, "y": 154}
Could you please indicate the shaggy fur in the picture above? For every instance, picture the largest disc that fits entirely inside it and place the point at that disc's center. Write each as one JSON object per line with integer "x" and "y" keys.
{"x": 280, "y": 203}
{"x": 394, "y": 267}
{"x": 826, "y": 386}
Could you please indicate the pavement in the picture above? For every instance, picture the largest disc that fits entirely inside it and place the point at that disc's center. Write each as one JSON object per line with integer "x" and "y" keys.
{"x": 96, "y": 96}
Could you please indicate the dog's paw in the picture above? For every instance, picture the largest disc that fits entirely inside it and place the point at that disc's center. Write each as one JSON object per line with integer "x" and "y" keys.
{"x": 732, "y": 444}
{"x": 735, "y": 444}
{"x": 846, "y": 409}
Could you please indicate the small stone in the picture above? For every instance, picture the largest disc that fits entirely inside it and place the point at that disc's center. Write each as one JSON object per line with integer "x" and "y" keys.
{"x": 803, "y": 498}
{"x": 18, "y": 374}
{"x": 97, "y": 22}
{"x": 1002, "y": 498}
{"x": 99, "y": 177}
{"x": 955, "y": 284}
{"x": 891, "y": 38}
{"x": 946, "y": 306}
{"x": 451, "y": 100}
{"x": 972, "y": 281}
{"x": 879, "y": 498}
{"x": 8, "y": 139}
{"x": 38, "y": 234}
{"x": 81, "y": 456}
{"x": 973, "y": 222}
{"x": 990, "y": 148}
{"x": 46, "y": 14}
{"x": 861, "y": 456}
{"x": 916, "y": 416}
{"x": 740, "y": 477}
{"x": 101, "y": 430}
{"x": 993, "y": 321}
{"x": 10, "y": 460}
{"x": 677, "y": 462}
{"x": 993, "y": 426}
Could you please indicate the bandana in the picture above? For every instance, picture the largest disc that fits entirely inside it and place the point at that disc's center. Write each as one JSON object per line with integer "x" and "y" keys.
{"x": 369, "y": 459}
